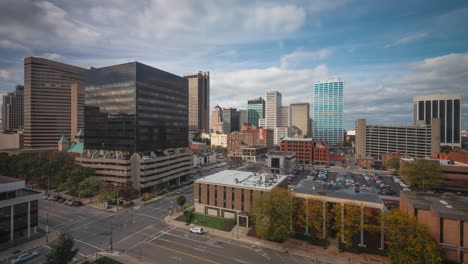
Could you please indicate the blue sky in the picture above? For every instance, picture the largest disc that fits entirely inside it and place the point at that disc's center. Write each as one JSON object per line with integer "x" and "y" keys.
{"x": 386, "y": 52}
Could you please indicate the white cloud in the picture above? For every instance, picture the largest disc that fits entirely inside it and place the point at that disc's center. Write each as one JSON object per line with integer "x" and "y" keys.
{"x": 52, "y": 56}
{"x": 274, "y": 19}
{"x": 8, "y": 44}
{"x": 4, "y": 74}
{"x": 407, "y": 40}
{"x": 297, "y": 56}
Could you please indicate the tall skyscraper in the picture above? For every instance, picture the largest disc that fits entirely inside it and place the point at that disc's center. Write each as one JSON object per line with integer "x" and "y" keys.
{"x": 231, "y": 118}
{"x": 135, "y": 108}
{"x": 446, "y": 107}
{"x": 217, "y": 119}
{"x": 272, "y": 109}
{"x": 199, "y": 101}
{"x": 328, "y": 111}
{"x": 285, "y": 116}
{"x": 256, "y": 110}
{"x": 13, "y": 109}
{"x": 300, "y": 119}
{"x": 242, "y": 118}
{"x": 47, "y": 101}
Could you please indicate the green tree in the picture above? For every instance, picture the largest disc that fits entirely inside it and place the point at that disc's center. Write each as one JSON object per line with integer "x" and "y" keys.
{"x": 73, "y": 178}
{"x": 62, "y": 251}
{"x": 313, "y": 217}
{"x": 181, "y": 200}
{"x": 90, "y": 187}
{"x": 393, "y": 163}
{"x": 272, "y": 214}
{"x": 409, "y": 241}
{"x": 421, "y": 173}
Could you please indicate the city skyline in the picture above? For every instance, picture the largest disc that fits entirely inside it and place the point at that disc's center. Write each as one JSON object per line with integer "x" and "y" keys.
{"x": 402, "y": 50}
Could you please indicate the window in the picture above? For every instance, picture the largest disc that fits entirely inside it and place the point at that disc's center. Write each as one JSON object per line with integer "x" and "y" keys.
{"x": 208, "y": 194}
{"x": 242, "y": 199}
{"x": 224, "y": 196}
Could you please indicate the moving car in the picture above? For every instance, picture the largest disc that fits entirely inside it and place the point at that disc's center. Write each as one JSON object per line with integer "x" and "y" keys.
{"x": 24, "y": 257}
{"x": 196, "y": 230}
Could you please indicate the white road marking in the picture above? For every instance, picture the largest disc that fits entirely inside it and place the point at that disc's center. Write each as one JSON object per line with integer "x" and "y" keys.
{"x": 150, "y": 216}
{"x": 150, "y": 238}
{"x": 81, "y": 254}
{"x": 241, "y": 261}
{"x": 89, "y": 244}
{"x": 135, "y": 233}
{"x": 199, "y": 249}
{"x": 198, "y": 241}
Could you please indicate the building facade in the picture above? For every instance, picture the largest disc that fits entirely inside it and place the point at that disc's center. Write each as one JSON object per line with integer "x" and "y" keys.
{"x": 218, "y": 139}
{"x": 411, "y": 141}
{"x": 13, "y": 109}
{"x": 285, "y": 117}
{"x": 198, "y": 102}
{"x": 148, "y": 171}
{"x": 217, "y": 120}
{"x": 300, "y": 119}
{"x": 231, "y": 120}
{"x": 134, "y": 107}
{"x": 19, "y": 210}
{"x": 328, "y": 111}
{"x": 272, "y": 109}
{"x": 255, "y": 111}
{"x": 47, "y": 101}
{"x": 446, "y": 218}
{"x": 243, "y": 118}
{"x": 281, "y": 132}
{"x": 446, "y": 107}
{"x": 303, "y": 147}
{"x": 281, "y": 162}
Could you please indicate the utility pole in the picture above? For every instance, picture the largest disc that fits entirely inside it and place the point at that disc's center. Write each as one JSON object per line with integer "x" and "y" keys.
{"x": 117, "y": 198}
{"x": 47, "y": 228}
{"x": 111, "y": 236}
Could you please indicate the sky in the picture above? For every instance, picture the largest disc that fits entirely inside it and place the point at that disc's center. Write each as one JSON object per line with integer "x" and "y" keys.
{"x": 386, "y": 52}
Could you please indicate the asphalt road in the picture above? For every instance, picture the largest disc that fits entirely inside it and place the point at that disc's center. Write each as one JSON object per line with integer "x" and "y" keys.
{"x": 142, "y": 233}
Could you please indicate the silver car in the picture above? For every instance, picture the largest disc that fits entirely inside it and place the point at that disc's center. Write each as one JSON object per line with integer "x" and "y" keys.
{"x": 24, "y": 257}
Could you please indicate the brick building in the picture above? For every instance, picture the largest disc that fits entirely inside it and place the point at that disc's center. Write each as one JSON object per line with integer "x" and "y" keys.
{"x": 445, "y": 215}
{"x": 303, "y": 147}
{"x": 229, "y": 193}
{"x": 321, "y": 153}
{"x": 252, "y": 153}
{"x": 249, "y": 136}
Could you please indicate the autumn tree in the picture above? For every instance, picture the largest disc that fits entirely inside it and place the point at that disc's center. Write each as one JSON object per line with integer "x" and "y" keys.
{"x": 352, "y": 221}
{"x": 310, "y": 213}
{"x": 422, "y": 173}
{"x": 272, "y": 214}
{"x": 393, "y": 163}
{"x": 409, "y": 241}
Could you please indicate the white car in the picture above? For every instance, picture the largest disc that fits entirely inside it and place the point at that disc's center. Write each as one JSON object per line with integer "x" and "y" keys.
{"x": 406, "y": 189}
{"x": 196, "y": 230}
{"x": 24, "y": 257}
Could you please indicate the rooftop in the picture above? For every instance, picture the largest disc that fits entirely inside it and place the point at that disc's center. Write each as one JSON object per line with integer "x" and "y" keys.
{"x": 264, "y": 181}
{"x": 5, "y": 179}
{"x": 447, "y": 205}
{"x": 297, "y": 139}
{"x": 366, "y": 194}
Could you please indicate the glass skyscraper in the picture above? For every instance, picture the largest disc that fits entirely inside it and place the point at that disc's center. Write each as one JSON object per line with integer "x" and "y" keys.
{"x": 328, "y": 111}
{"x": 255, "y": 110}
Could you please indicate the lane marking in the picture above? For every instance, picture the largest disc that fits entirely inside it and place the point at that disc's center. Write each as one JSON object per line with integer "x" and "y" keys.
{"x": 241, "y": 261}
{"x": 199, "y": 249}
{"x": 148, "y": 238}
{"x": 89, "y": 244}
{"x": 135, "y": 233}
{"x": 198, "y": 241}
{"x": 150, "y": 216}
{"x": 183, "y": 253}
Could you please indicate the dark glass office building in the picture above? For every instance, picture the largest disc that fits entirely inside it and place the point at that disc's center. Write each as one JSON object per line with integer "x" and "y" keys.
{"x": 447, "y": 107}
{"x": 134, "y": 107}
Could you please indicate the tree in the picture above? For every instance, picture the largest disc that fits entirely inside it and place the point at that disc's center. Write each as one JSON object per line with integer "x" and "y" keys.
{"x": 352, "y": 221}
{"x": 313, "y": 217}
{"x": 181, "y": 200}
{"x": 272, "y": 214}
{"x": 62, "y": 251}
{"x": 393, "y": 163}
{"x": 409, "y": 241}
{"x": 72, "y": 179}
{"x": 422, "y": 173}
{"x": 90, "y": 187}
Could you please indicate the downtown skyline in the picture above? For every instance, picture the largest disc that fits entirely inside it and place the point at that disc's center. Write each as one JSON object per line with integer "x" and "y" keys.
{"x": 385, "y": 53}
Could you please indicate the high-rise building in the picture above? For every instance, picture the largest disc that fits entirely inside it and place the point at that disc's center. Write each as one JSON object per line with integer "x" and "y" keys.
{"x": 256, "y": 110}
{"x": 300, "y": 119}
{"x": 285, "y": 116}
{"x": 13, "y": 109}
{"x": 272, "y": 109}
{"x": 47, "y": 101}
{"x": 328, "y": 111}
{"x": 230, "y": 120}
{"x": 242, "y": 118}
{"x": 217, "y": 119}
{"x": 448, "y": 108}
{"x": 199, "y": 102}
{"x": 134, "y": 107}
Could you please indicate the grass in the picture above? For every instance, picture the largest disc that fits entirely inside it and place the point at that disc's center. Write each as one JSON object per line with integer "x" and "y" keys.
{"x": 107, "y": 260}
{"x": 211, "y": 221}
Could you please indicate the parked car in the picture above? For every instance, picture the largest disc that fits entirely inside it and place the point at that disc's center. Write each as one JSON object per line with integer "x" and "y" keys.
{"x": 77, "y": 203}
{"x": 61, "y": 200}
{"x": 196, "y": 230}
{"x": 406, "y": 189}
{"x": 24, "y": 257}
{"x": 66, "y": 202}
{"x": 46, "y": 197}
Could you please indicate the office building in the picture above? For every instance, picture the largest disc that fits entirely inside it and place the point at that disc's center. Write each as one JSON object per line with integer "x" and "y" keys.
{"x": 418, "y": 141}
{"x": 243, "y": 119}
{"x": 218, "y": 139}
{"x": 446, "y": 217}
{"x": 13, "y": 109}
{"x": 47, "y": 101}
{"x": 19, "y": 210}
{"x": 135, "y": 108}
{"x": 198, "y": 102}
{"x": 231, "y": 119}
{"x": 255, "y": 111}
{"x": 285, "y": 117}
{"x": 230, "y": 193}
{"x": 272, "y": 109}
{"x": 446, "y": 107}
{"x": 328, "y": 111}
{"x": 11, "y": 141}
{"x": 217, "y": 120}
{"x": 281, "y": 132}
{"x": 281, "y": 162}
{"x": 300, "y": 119}
{"x": 303, "y": 147}
{"x": 148, "y": 171}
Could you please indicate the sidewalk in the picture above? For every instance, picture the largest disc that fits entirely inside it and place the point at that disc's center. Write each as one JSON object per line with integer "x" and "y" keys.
{"x": 121, "y": 257}
{"x": 28, "y": 246}
{"x": 294, "y": 246}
